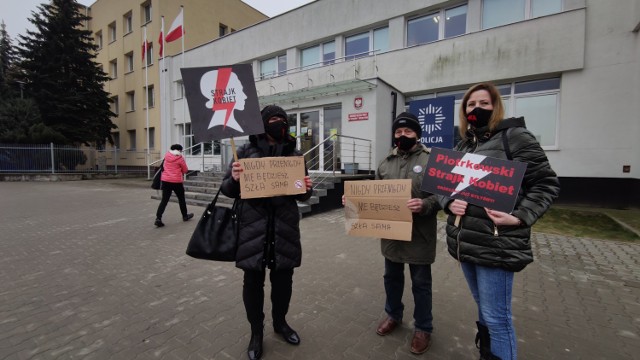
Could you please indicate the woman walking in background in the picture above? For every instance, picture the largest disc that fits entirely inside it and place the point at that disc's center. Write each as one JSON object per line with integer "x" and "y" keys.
{"x": 172, "y": 177}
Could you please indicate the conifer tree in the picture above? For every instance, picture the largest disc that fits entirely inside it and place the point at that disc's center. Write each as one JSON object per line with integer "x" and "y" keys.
{"x": 61, "y": 76}
{"x": 7, "y": 63}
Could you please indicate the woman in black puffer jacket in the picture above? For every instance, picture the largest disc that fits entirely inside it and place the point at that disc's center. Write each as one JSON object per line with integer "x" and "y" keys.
{"x": 269, "y": 233}
{"x": 492, "y": 245}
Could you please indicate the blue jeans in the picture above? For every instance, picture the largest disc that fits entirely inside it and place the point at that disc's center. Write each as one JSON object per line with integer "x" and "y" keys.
{"x": 420, "y": 286}
{"x": 491, "y": 289}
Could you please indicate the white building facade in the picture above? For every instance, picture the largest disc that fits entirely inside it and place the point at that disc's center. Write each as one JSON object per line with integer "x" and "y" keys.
{"x": 570, "y": 67}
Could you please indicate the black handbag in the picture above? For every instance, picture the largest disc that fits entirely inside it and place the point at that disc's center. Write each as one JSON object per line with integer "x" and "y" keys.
{"x": 216, "y": 235}
{"x": 156, "y": 182}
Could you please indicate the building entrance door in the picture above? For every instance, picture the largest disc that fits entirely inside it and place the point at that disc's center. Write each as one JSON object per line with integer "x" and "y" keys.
{"x": 313, "y": 127}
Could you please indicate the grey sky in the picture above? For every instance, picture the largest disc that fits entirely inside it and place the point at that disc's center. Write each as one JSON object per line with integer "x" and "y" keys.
{"x": 14, "y": 13}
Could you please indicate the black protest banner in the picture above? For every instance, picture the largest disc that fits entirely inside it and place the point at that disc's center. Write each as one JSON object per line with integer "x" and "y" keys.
{"x": 223, "y": 102}
{"x": 477, "y": 179}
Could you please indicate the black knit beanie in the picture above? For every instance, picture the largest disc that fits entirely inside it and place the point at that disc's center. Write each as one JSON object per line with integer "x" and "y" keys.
{"x": 410, "y": 121}
{"x": 270, "y": 111}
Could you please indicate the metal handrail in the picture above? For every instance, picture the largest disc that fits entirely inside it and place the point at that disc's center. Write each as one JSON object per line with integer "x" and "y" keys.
{"x": 315, "y": 160}
{"x": 323, "y": 63}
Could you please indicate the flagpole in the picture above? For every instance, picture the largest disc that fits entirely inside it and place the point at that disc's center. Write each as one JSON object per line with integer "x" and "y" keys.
{"x": 184, "y": 98}
{"x": 146, "y": 96}
{"x": 161, "y": 71}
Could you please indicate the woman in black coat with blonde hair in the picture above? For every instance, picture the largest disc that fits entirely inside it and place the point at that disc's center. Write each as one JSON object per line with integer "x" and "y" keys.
{"x": 492, "y": 245}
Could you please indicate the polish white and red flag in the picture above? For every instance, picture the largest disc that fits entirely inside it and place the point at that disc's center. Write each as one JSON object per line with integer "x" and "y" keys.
{"x": 177, "y": 28}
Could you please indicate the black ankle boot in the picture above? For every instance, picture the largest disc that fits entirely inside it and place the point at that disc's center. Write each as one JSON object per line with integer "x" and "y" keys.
{"x": 483, "y": 342}
{"x": 255, "y": 345}
{"x": 158, "y": 222}
{"x": 288, "y": 334}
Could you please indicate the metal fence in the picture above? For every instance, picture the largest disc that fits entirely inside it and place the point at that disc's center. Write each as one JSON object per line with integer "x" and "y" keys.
{"x": 51, "y": 158}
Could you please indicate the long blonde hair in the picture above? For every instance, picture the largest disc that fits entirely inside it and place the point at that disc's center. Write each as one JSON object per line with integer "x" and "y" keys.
{"x": 496, "y": 101}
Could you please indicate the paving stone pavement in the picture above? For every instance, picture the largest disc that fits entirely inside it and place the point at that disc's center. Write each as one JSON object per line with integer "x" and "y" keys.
{"x": 84, "y": 274}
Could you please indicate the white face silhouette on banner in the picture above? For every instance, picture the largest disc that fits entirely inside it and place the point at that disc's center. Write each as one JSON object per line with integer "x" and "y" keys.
{"x": 224, "y": 91}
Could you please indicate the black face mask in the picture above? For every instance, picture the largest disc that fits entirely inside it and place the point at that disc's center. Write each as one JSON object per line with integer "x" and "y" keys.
{"x": 277, "y": 130}
{"x": 479, "y": 117}
{"x": 405, "y": 143}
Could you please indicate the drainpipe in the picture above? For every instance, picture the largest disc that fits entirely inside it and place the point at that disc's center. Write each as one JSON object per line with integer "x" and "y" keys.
{"x": 394, "y": 106}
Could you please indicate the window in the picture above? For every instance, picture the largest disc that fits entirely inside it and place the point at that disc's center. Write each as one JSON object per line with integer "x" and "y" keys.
{"x": 113, "y": 68}
{"x": 98, "y": 39}
{"x": 381, "y": 40}
{"x": 128, "y": 58}
{"x": 455, "y": 21}
{"x": 273, "y": 66}
{"x": 360, "y": 45}
{"x": 146, "y": 12}
{"x": 268, "y": 68}
{"x": 150, "y": 98}
{"x": 179, "y": 90}
{"x": 282, "y": 64}
{"x": 356, "y": 46}
{"x": 128, "y": 23}
{"x": 321, "y": 54}
{"x": 222, "y": 30}
{"x": 429, "y": 28}
{"x": 112, "y": 32}
{"x": 115, "y": 105}
{"x": 152, "y": 135}
{"x": 149, "y": 54}
{"x": 132, "y": 139}
{"x": 545, "y": 7}
{"x": 501, "y": 12}
{"x": 310, "y": 57}
{"x": 422, "y": 30}
{"x": 329, "y": 52}
{"x": 131, "y": 101}
{"x": 538, "y": 102}
{"x": 116, "y": 139}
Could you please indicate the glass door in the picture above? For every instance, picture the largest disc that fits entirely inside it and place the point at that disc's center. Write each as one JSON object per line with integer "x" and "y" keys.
{"x": 331, "y": 126}
{"x": 313, "y": 126}
{"x": 310, "y": 137}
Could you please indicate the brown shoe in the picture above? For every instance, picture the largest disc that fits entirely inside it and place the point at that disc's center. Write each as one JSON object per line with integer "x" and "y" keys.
{"x": 421, "y": 342}
{"x": 386, "y": 326}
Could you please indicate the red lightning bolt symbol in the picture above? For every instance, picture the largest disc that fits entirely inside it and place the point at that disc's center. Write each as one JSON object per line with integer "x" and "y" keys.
{"x": 221, "y": 85}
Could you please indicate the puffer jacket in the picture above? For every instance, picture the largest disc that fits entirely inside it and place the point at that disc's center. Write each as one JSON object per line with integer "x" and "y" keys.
{"x": 264, "y": 219}
{"x": 421, "y": 250}
{"x": 174, "y": 167}
{"x": 477, "y": 239}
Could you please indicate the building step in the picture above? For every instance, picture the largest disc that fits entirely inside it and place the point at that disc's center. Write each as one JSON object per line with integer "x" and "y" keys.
{"x": 201, "y": 188}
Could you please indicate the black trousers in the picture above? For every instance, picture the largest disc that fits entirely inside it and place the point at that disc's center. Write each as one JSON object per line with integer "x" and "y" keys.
{"x": 253, "y": 296}
{"x": 167, "y": 188}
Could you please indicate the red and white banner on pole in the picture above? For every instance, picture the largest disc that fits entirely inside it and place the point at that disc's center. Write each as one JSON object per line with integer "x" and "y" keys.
{"x": 177, "y": 28}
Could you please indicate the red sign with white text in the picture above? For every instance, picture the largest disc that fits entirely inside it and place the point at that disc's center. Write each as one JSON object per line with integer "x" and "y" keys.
{"x": 358, "y": 116}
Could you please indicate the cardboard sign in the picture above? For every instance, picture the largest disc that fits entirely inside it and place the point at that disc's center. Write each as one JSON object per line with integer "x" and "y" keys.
{"x": 378, "y": 208}
{"x": 223, "y": 102}
{"x": 477, "y": 179}
{"x": 272, "y": 176}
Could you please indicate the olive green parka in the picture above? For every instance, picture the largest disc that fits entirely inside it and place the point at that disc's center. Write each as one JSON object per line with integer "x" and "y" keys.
{"x": 421, "y": 250}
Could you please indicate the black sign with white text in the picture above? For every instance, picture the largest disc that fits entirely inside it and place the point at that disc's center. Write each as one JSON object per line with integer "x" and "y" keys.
{"x": 223, "y": 102}
{"x": 477, "y": 179}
